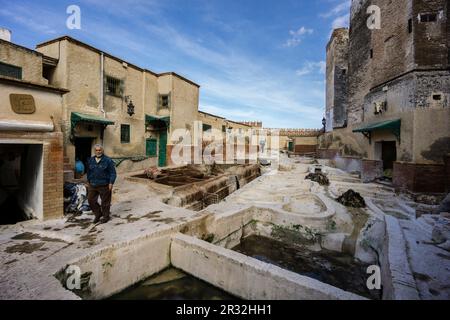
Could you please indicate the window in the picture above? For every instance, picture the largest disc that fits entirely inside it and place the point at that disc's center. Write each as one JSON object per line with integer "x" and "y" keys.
{"x": 428, "y": 17}
{"x": 410, "y": 26}
{"x": 437, "y": 97}
{"x": 371, "y": 53}
{"x": 125, "y": 133}
{"x": 114, "y": 86}
{"x": 8, "y": 70}
{"x": 224, "y": 129}
{"x": 164, "y": 101}
{"x": 206, "y": 127}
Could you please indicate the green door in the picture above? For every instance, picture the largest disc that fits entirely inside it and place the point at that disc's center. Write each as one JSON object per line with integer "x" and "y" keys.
{"x": 291, "y": 146}
{"x": 150, "y": 148}
{"x": 162, "y": 148}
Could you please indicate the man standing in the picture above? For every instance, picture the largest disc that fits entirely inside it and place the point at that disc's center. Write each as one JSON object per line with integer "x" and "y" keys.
{"x": 101, "y": 177}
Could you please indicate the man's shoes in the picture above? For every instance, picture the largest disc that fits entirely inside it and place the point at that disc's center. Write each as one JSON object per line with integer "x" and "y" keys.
{"x": 96, "y": 220}
{"x": 104, "y": 219}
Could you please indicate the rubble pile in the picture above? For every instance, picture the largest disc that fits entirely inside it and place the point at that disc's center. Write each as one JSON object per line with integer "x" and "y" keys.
{"x": 352, "y": 199}
{"x": 318, "y": 177}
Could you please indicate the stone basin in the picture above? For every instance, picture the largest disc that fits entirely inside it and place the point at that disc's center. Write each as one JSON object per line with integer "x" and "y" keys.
{"x": 305, "y": 204}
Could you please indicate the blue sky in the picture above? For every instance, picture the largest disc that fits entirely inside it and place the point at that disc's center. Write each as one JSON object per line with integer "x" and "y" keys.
{"x": 254, "y": 59}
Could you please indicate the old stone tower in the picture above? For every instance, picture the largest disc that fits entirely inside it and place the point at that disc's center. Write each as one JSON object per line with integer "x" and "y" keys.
{"x": 388, "y": 92}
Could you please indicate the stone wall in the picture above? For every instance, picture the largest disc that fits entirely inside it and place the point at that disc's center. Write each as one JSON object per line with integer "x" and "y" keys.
{"x": 304, "y": 149}
{"x": 336, "y": 78}
{"x": 431, "y": 39}
{"x": 30, "y": 61}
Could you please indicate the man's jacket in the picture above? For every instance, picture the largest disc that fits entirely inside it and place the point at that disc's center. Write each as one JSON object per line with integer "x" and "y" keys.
{"x": 101, "y": 173}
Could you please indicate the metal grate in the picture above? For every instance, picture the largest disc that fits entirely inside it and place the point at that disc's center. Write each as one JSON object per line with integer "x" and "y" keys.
{"x": 197, "y": 206}
{"x": 211, "y": 198}
{"x": 114, "y": 86}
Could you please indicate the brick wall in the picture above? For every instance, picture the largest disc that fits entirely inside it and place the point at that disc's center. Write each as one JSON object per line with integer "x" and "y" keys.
{"x": 302, "y": 149}
{"x": 425, "y": 178}
{"x": 371, "y": 170}
{"x": 53, "y": 176}
{"x": 403, "y": 176}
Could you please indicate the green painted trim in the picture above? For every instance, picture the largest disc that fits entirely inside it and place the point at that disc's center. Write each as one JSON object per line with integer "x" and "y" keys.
{"x": 77, "y": 117}
{"x": 150, "y": 118}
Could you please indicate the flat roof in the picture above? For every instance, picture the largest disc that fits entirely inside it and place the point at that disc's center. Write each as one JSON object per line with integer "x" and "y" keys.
{"x": 18, "y": 46}
{"x": 87, "y": 46}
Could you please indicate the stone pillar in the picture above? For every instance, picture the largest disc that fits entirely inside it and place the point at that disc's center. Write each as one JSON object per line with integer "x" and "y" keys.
{"x": 53, "y": 176}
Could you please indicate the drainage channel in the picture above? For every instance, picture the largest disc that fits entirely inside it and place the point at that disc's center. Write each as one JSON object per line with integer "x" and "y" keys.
{"x": 246, "y": 277}
{"x": 173, "y": 284}
{"x": 334, "y": 268}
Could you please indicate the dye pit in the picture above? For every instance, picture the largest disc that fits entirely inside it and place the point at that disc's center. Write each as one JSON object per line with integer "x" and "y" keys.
{"x": 173, "y": 284}
{"x": 195, "y": 187}
{"x": 182, "y": 176}
{"x": 337, "y": 269}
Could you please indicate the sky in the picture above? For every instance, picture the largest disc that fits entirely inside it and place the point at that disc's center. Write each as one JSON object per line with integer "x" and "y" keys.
{"x": 255, "y": 60}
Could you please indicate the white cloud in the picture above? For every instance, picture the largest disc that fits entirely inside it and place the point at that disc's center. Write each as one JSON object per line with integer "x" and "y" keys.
{"x": 341, "y": 22}
{"x": 297, "y": 36}
{"x": 36, "y": 20}
{"x": 310, "y": 67}
{"x": 340, "y": 15}
{"x": 342, "y": 7}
